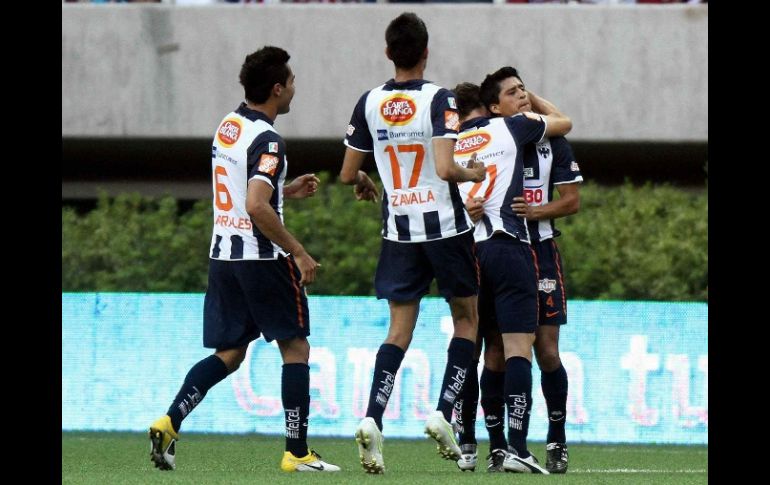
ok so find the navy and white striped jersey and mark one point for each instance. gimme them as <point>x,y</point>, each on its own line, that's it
<point>397,121</point>
<point>499,143</point>
<point>547,163</point>
<point>245,147</point>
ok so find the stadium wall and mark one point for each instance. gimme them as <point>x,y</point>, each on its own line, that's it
<point>638,370</point>
<point>622,72</point>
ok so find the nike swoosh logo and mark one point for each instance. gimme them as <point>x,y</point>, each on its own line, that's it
<point>319,467</point>
<point>551,314</point>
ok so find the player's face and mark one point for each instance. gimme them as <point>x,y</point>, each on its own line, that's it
<point>513,98</point>
<point>287,93</point>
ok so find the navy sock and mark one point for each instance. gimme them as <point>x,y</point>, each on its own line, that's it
<point>386,366</point>
<point>555,385</point>
<point>518,396</point>
<point>466,404</point>
<point>493,404</point>
<point>201,377</point>
<point>459,357</point>
<point>295,394</point>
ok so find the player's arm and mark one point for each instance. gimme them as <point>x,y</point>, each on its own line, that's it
<point>567,204</point>
<point>448,170</point>
<point>351,174</point>
<point>269,224</point>
<point>557,123</point>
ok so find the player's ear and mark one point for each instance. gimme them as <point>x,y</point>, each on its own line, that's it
<point>278,89</point>
<point>387,53</point>
<point>494,108</point>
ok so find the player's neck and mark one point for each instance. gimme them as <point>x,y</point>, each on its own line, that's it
<point>408,74</point>
<point>268,109</point>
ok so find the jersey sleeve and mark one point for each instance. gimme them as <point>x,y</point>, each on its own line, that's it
<point>444,115</point>
<point>358,137</point>
<point>525,130</point>
<point>565,169</point>
<point>266,157</point>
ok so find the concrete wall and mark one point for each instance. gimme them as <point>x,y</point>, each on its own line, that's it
<point>621,72</point>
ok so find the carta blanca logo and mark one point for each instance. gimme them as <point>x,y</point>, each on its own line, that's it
<point>382,134</point>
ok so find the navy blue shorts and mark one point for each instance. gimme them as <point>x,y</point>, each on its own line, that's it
<point>550,285</point>
<point>405,270</point>
<point>508,295</point>
<point>246,298</point>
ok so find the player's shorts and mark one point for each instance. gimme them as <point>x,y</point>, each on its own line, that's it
<point>247,298</point>
<point>405,270</point>
<point>508,294</point>
<point>550,285</point>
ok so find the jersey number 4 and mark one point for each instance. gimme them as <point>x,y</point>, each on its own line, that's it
<point>395,166</point>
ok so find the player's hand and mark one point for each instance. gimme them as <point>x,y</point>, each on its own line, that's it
<point>521,208</point>
<point>365,189</point>
<point>307,267</point>
<point>302,186</point>
<point>478,169</point>
<point>475,208</point>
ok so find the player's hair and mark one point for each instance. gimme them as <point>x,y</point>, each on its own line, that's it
<point>262,70</point>
<point>407,39</point>
<point>467,96</point>
<point>490,87</point>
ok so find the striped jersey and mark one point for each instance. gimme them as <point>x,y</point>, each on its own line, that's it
<point>245,147</point>
<point>547,163</point>
<point>397,121</point>
<point>499,143</point>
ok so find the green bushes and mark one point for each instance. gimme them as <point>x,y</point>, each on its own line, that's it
<point>635,243</point>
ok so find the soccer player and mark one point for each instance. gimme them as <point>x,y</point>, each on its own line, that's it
<point>508,295</point>
<point>257,269</point>
<point>547,164</point>
<point>411,125</point>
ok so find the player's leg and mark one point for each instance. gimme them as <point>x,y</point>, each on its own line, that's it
<point>466,405</point>
<point>553,380</point>
<point>493,399</point>
<point>454,263</point>
<point>227,327</point>
<point>402,278</point>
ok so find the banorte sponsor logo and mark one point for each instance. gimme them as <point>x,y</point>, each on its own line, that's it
<point>471,143</point>
<point>229,132</point>
<point>398,109</point>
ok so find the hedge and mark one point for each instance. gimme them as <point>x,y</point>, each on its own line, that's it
<point>626,243</point>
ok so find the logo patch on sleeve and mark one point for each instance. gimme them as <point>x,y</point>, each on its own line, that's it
<point>452,103</point>
<point>351,129</point>
<point>272,147</point>
<point>451,120</point>
<point>268,164</point>
<point>574,167</point>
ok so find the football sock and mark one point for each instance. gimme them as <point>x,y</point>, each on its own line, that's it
<point>386,366</point>
<point>493,404</point>
<point>201,377</point>
<point>466,404</point>
<point>295,394</point>
<point>459,357</point>
<point>555,385</point>
<point>518,396</point>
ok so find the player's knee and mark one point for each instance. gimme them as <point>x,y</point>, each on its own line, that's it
<point>548,360</point>
<point>494,358</point>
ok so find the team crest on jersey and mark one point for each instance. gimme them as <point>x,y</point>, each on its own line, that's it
<point>472,142</point>
<point>268,164</point>
<point>272,147</point>
<point>546,286</point>
<point>543,150</point>
<point>228,132</point>
<point>451,120</point>
<point>398,109</point>
<point>351,130</point>
<point>452,103</point>
<point>574,167</point>
<point>382,135</point>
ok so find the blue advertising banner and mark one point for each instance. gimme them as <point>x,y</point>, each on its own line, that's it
<point>638,371</point>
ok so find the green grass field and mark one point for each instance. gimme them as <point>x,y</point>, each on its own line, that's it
<point>123,458</point>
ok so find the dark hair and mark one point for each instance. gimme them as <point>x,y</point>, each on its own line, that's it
<point>490,88</point>
<point>407,39</point>
<point>261,70</point>
<point>467,95</point>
